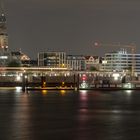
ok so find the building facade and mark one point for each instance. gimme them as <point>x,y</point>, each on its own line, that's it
<point>20,57</point>
<point>52,59</point>
<point>76,62</point>
<point>3,31</point>
<point>121,61</point>
<point>93,63</point>
<point>5,55</point>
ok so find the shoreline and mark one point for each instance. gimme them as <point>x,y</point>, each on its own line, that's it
<point>68,88</point>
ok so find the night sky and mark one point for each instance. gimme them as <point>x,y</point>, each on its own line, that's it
<point>72,25</point>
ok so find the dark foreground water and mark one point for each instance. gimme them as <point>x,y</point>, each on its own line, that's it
<point>70,115</point>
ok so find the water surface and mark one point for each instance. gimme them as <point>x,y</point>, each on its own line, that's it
<point>69,115</point>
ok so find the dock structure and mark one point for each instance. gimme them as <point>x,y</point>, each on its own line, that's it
<point>63,78</point>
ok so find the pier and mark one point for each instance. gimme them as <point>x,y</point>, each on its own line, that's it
<point>40,78</point>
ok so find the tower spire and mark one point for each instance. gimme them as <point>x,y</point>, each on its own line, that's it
<point>2,12</point>
<point>3,28</point>
<point>1,7</point>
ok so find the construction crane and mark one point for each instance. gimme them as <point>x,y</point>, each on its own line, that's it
<point>132,48</point>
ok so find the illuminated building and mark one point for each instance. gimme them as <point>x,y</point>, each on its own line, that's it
<point>22,58</point>
<point>20,55</point>
<point>4,53</point>
<point>121,61</point>
<point>76,62</point>
<point>52,59</point>
<point>4,58</point>
<point>3,30</point>
<point>92,63</point>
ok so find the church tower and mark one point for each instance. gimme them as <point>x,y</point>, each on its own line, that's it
<point>3,29</point>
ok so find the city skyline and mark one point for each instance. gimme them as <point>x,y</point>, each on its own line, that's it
<point>71,26</point>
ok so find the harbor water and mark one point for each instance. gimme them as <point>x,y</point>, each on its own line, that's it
<point>69,115</point>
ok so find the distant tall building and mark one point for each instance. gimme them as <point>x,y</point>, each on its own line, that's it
<point>5,55</point>
<point>3,29</point>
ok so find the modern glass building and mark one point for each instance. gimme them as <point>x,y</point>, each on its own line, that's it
<point>52,59</point>
<point>76,62</point>
<point>121,61</point>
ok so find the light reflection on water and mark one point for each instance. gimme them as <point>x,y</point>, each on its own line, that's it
<point>129,92</point>
<point>18,89</point>
<point>44,92</point>
<point>62,92</point>
<point>21,118</point>
<point>83,104</point>
<point>71,115</point>
<point>83,95</point>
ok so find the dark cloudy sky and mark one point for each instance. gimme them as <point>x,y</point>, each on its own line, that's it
<point>72,25</point>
